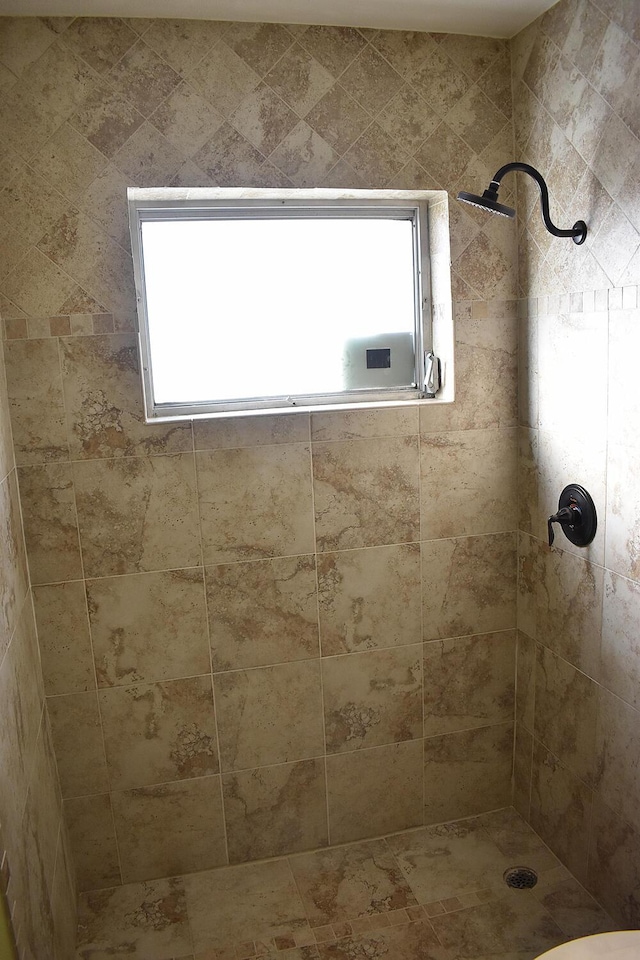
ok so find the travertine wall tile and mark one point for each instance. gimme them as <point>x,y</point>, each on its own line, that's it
<point>99,104</point>
<point>78,739</point>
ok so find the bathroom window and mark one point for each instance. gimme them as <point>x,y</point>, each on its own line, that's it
<point>279,301</point>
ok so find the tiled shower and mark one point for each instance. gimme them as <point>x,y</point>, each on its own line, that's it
<point>265,635</point>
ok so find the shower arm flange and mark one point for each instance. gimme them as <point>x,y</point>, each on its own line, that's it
<point>578,231</point>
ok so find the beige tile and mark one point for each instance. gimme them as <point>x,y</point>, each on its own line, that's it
<point>468,585</point>
<point>269,715</point>
<point>344,883</point>
<point>486,353</point>
<point>186,119</point>
<point>159,732</point>
<point>251,431</point>
<point>43,807</point>
<point>15,576</point>
<point>100,41</point>
<point>375,791</point>
<point>262,612</point>
<point>183,43</point>
<point>263,118</point>
<point>299,79</point>
<point>234,488</point>
<point>618,772</point>
<point>377,156</point>
<point>622,553</point>
<point>137,514</point>
<point>338,119</point>
<point>372,698</point>
<point>257,901</point>
<point>276,810</point>
<point>613,865</point>
<point>619,652</point>
<point>467,480</point>
<point>63,636</point>
<point>22,41</point>
<point>304,156</point>
<point>468,682</point>
<point>149,919</point>
<point>525,680</point>
<point>223,78</point>
<point>365,424</point>
<point>369,598</point>
<point>50,523</point>
<point>467,772</point>
<point>106,118</point>
<point>575,912</point>
<point>93,842</point>
<point>148,158</point>
<point>37,407</point>
<point>371,81</point>
<point>258,44</point>
<point>135,621</point>
<point>334,47</point>
<point>522,761</point>
<point>494,928</point>
<point>63,900</point>
<point>143,78</point>
<point>69,161</point>
<point>77,736</point>
<point>170,829</point>
<point>450,860</point>
<point>409,940</point>
<point>565,713</point>
<point>349,479</point>
<point>560,810</point>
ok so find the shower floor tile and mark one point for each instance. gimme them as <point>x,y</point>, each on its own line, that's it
<point>433,893</point>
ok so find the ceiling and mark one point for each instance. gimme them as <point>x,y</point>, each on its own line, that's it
<point>493,18</point>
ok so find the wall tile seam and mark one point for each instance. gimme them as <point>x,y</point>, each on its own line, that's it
<point>322,757</point>
<point>568,553</point>
<point>590,787</point>
<point>276,663</point>
<point>602,300</point>
<point>18,617</point>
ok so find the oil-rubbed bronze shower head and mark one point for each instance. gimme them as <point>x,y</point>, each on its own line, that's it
<point>489,202</point>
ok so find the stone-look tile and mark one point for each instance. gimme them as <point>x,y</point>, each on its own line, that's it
<point>468,586</point>
<point>338,119</point>
<point>159,732</point>
<point>530,572</point>
<point>35,393</point>
<point>576,913</point>
<point>565,713</point>
<point>366,492</point>
<point>486,353</point>
<point>143,78</point>
<point>450,860</point>
<point>369,598</point>
<point>258,44</point>
<point>411,940</point>
<point>69,162</point>
<point>365,424</point>
<point>333,47</point>
<point>620,652</point>
<point>508,927</point>
<point>372,698</point>
<point>77,736</point>
<point>371,81</point>
<point>525,680</point>
<point>13,562</point>
<point>262,612</point>
<point>183,43</point>
<point>359,880</point>
<point>304,156</point>
<point>622,387</point>
<point>44,802</point>
<point>147,919</point>
<point>6,440</point>
<point>374,791</point>
<point>107,119</point>
<point>522,763</point>
<point>137,514</point>
<point>560,810</point>
<point>299,80</point>
<point>250,431</point>
<point>468,682</point>
<point>148,627</point>
<point>223,79</point>
<point>103,399</point>
<point>93,842</point>
<point>63,899</point>
<point>276,810</point>
<point>50,523</point>
<point>22,42</point>
<point>63,636</point>
<point>263,119</point>
<point>618,771</point>
<point>100,41</point>
<point>515,838</point>
<point>622,550</point>
<point>256,901</point>
<point>468,480</point>
<point>614,854</point>
<point>170,829</point>
<point>467,772</point>
<point>234,488</point>
<point>376,156</point>
<point>269,715</point>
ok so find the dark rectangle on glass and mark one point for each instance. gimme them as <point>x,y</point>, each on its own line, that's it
<point>379,359</point>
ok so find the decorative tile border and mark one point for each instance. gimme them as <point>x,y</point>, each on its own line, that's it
<point>72,325</point>
<point>589,301</point>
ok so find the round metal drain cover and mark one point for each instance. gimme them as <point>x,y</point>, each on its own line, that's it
<point>521,878</point>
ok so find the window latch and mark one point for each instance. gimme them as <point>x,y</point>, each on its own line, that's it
<point>432,375</point>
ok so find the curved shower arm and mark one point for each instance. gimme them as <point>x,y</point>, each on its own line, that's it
<point>544,197</point>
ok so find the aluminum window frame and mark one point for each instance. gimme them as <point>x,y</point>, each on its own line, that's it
<point>162,206</point>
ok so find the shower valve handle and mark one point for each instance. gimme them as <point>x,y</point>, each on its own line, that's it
<point>570,516</point>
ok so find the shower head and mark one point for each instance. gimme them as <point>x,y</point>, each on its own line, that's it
<point>489,202</point>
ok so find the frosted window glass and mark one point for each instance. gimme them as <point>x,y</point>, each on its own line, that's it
<point>244,308</point>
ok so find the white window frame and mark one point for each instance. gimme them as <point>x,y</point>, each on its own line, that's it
<point>177,203</point>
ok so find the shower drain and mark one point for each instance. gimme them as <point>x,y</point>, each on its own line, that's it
<point>521,878</point>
